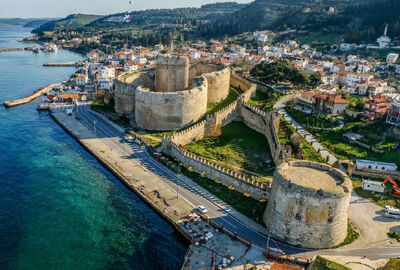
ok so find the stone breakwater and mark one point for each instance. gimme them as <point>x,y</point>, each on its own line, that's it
<point>35,95</point>
<point>16,49</point>
<point>66,64</point>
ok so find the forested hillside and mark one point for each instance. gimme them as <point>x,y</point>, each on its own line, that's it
<point>278,15</point>
<point>71,22</point>
<point>146,19</point>
<point>23,22</point>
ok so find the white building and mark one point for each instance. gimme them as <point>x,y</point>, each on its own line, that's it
<point>384,41</point>
<point>375,165</point>
<point>104,84</point>
<point>393,116</point>
<point>195,54</point>
<point>93,56</point>
<point>260,36</point>
<point>107,73</point>
<point>81,79</point>
<point>141,60</point>
<point>391,58</point>
<point>347,46</point>
<point>130,66</point>
<point>373,186</point>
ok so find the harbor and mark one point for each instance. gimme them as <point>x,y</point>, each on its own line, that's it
<point>35,95</point>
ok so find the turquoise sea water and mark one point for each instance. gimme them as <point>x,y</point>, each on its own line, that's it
<point>59,208</point>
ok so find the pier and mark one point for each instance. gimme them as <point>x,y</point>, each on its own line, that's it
<point>16,49</point>
<point>35,95</point>
<point>67,64</point>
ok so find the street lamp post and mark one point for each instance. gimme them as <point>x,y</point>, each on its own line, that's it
<point>94,127</point>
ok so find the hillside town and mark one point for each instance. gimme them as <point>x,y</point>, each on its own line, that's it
<point>331,116</point>
<point>260,152</point>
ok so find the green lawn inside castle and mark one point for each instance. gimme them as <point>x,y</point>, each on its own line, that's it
<point>239,148</point>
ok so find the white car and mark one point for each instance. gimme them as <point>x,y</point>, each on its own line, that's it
<point>129,139</point>
<point>201,209</point>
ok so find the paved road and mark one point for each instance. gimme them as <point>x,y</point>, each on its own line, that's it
<point>186,188</point>
<point>280,108</point>
<point>194,194</point>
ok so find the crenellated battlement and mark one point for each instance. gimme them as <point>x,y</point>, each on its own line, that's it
<point>184,154</point>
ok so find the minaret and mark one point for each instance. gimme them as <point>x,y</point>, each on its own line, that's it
<point>172,46</point>
<point>385,33</point>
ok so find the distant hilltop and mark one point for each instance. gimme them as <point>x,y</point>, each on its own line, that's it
<point>32,22</point>
<point>70,22</point>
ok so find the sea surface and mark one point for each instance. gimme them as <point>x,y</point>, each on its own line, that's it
<point>59,208</point>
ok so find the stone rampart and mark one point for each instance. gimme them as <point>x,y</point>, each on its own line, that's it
<point>267,123</point>
<point>248,87</point>
<point>169,111</point>
<point>189,135</point>
<point>228,178</point>
<point>125,88</point>
<point>218,78</point>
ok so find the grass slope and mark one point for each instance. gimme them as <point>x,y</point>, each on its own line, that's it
<point>238,146</point>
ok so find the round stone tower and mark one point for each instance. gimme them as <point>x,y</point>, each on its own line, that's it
<point>172,73</point>
<point>308,204</point>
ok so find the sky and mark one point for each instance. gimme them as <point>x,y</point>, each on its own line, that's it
<point>62,8</point>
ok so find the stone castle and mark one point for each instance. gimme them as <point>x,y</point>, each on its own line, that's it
<point>308,204</point>
<point>173,96</point>
<point>307,201</point>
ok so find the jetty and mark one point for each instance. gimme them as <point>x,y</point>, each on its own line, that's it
<point>35,95</point>
<point>16,49</point>
<point>66,64</point>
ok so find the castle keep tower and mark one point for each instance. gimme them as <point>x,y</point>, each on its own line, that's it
<point>172,73</point>
<point>308,204</point>
<point>173,96</point>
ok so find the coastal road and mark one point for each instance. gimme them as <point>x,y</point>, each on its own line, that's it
<point>194,194</point>
<point>186,188</point>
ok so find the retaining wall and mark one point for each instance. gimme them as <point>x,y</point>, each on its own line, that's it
<point>240,182</point>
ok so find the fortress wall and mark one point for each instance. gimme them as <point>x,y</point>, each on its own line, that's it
<point>172,74</point>
<point>248,87</point>
<point>125,90</point>
<point>228,178</point>
<point>169,111</point>
<point>218,78</point>
<point>189,135</point>
<point>266,123</point>
<point>218,85</point>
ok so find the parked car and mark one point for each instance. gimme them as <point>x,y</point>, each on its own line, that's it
<point>201,209</point>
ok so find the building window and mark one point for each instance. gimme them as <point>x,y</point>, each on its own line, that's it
<point>298,216</point>
<point>330,219</point>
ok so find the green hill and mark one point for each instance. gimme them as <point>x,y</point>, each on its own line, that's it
<point>73,21</point>
<point>23,22</point>
<point>278,15</point>
<point>157,17</point>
